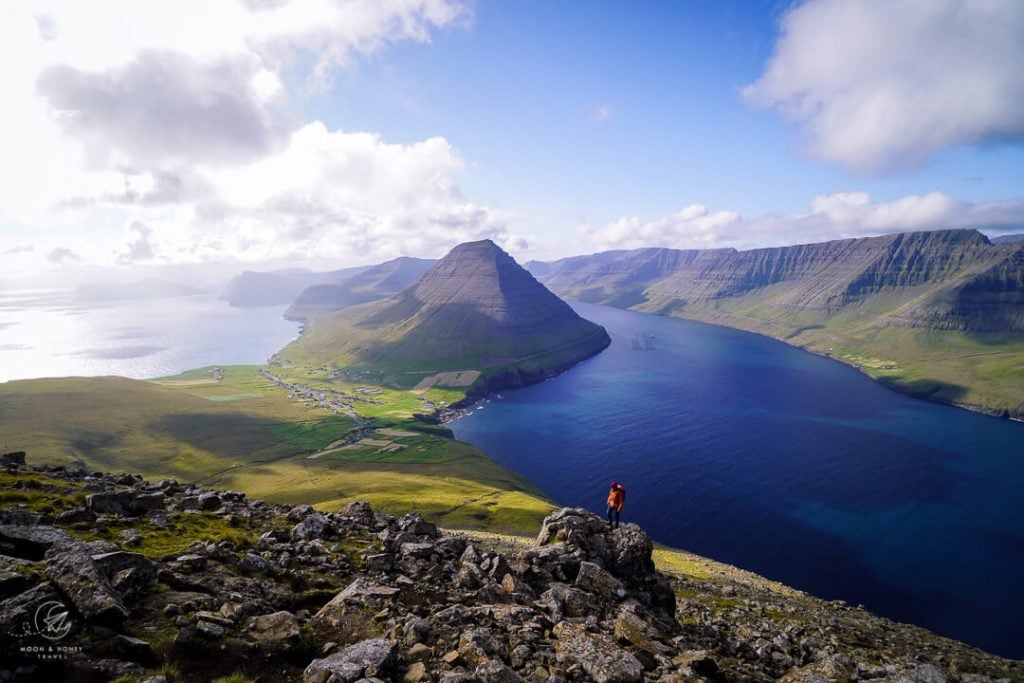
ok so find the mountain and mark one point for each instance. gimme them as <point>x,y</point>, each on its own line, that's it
<point>254,288</point>
<point>475,309</point>
<point>377,282</point>
<point>149,288</point>
<point>939,314</point>
<point>1006,239</point>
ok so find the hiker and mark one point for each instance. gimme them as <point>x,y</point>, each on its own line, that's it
<point>616,499</point>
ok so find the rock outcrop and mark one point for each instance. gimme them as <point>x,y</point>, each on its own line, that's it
<point>282,593</point>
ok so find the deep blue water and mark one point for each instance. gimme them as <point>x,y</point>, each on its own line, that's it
<point>755,453</point>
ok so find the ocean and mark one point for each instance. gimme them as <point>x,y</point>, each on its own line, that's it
<point>758,454</point>
<point>46,333</point>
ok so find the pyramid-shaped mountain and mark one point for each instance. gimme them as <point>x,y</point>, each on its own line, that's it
<point>475,309</point>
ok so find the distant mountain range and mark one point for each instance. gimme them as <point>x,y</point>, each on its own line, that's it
<point>374,283</point>
<point>254,288</point>
<point>939,314</point>
<point>1006,239</point>
<point>475,309</point>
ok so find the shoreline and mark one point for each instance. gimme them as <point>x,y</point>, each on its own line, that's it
<point>970,407</point>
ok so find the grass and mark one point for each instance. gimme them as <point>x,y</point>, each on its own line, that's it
<point>169,428</point>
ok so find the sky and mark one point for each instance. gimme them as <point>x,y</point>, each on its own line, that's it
<point>259,134</point>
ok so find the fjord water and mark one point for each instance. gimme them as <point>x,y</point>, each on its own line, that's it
<point>758,454</point>
<point>46,333</point>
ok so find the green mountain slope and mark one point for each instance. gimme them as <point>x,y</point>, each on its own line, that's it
<point>476,309</point>
<point>377,282</point>
<point>938,314</point>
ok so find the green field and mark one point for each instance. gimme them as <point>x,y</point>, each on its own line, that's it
<point>243,432</point>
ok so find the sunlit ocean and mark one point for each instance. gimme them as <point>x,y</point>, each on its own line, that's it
<point>46,333</point>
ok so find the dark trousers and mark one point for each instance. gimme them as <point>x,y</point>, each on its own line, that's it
<point>613,511</point>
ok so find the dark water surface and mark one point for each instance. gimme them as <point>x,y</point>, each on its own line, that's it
<point>755,453</point>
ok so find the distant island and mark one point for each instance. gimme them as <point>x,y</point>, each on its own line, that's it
<point>939,315</point>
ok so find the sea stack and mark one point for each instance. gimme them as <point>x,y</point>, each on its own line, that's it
<point>475,309</point>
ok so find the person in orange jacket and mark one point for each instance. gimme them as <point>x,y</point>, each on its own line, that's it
<point>616,499</point>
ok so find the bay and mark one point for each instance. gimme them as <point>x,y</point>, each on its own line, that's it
<point>758,454</point>
<point>47,333</point>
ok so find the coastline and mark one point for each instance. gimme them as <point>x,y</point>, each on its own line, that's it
<point>970,407</point>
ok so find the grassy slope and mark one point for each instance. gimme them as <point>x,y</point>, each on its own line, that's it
<point>244,433</point>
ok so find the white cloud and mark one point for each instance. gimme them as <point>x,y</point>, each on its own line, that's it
<point>883,84</point>
<point>175,120</point>
<point>833,216</point>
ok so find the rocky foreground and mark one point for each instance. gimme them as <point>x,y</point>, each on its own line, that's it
<point>111,577</point>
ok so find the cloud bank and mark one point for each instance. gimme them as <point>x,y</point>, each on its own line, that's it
<point>139,134</point>
<point>833,216</point>
<point>878,85</point>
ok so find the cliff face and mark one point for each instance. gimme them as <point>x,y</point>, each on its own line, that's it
<point>952,279</point>
<point>129,579</point>
<point>474,309</point>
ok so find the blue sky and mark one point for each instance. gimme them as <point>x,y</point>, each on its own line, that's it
<point>517,94</point>
<point>326,131</point>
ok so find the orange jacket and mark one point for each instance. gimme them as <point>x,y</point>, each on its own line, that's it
<point>616,497</point>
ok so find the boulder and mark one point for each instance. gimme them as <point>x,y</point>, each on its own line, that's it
<point>374,657</point>
<point>209,501</point>
<point>597,654</point>
<point>311,527</point>
<point>124,502</point>
<point>592,579</point>
<point>130,574</point>
<point>496,672</point>
<point>563,601</point>
<point>277,630</point>
<point>32,542</point>
<point>360,594</point>
<point>359,512</point>
<point>78,577</point>
<point>414,524</point>
<point>13,459</point>
<point>478,645</point>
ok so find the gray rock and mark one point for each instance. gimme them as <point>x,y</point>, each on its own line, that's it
<point>417,550</point>
<point>313,526</point>
<point>359,512</point>
<point>277,630</point>
<point>375,657</point>
<point>496,672</point>
<point>14,458</point>
<point>77,577</point>
<point>32,542</point>
<point>209,501</point>
<point>124,502</point>
<point>594,579</point>
<point>597,654</point>
<point>251,562</point>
